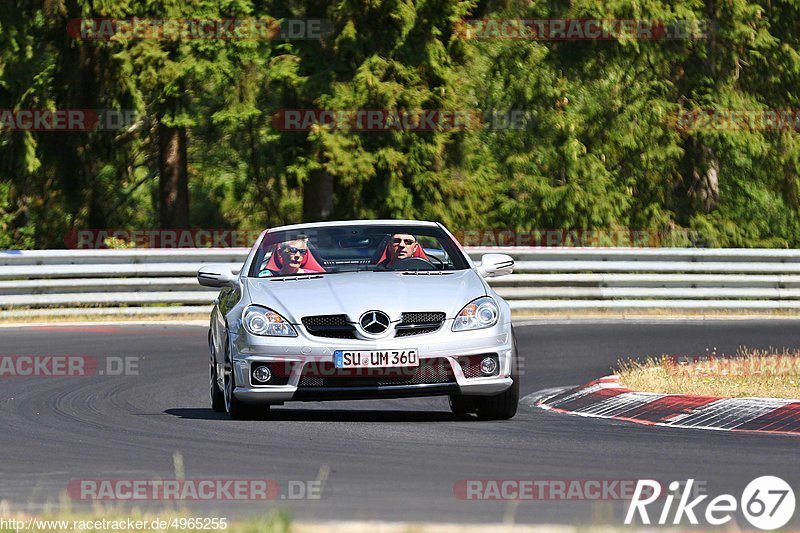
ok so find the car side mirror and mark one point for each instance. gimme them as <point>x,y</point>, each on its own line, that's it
<point>217,275</point>
<point>494,265</point>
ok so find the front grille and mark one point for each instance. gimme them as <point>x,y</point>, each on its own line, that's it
<point>418,323</point>
<point>325,320</point>
<point>423,318</point>
<point>324,374</point>
<point>331,326</point>
<point>415,331</point>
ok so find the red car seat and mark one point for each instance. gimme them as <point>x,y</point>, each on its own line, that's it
<point>309,263</point>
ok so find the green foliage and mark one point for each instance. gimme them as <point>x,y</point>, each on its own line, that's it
<point>600,151</point>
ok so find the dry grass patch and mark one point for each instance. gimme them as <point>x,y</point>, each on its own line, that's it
<point>749,373</point>
<point>654,313</point>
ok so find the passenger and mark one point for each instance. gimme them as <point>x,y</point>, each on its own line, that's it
<point>291,257</point>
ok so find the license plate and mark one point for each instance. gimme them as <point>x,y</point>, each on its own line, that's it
<point>374,358</point>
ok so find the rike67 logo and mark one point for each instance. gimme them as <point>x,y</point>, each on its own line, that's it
<point>767,502</point>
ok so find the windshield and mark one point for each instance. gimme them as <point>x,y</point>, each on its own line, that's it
<point>335,249</point>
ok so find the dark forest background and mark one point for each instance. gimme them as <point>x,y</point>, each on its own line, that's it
<point>601,150</point>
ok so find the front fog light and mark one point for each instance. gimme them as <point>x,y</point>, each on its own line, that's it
<point>262,374</point>
<point>488,366</point>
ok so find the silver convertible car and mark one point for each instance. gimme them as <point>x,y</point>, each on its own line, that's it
<point>361,310</point>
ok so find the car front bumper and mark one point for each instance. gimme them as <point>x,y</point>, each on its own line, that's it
<point>294,354</point>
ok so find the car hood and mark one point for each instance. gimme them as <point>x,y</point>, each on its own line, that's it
<point>354,293</point>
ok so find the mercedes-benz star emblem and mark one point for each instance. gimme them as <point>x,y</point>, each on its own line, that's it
<point>374,322</point>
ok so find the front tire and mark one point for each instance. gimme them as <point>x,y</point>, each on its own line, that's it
<point>237,409</point>
<point>462,405</point>
<point>217,396</point>
<point>502,406</point>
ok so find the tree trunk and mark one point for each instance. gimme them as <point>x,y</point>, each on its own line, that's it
<point>174,179</point>
<point>318,197</point>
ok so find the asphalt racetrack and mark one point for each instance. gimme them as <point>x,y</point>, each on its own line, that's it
<point>384,460</point>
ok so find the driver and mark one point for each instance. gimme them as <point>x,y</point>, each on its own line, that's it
<point>401,246</point>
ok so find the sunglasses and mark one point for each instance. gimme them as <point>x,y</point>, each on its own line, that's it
<point>408,242</point>
<point>292,250</point>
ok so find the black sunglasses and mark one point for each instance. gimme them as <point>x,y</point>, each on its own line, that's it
<point>292,250</point>
<point>408,242</point>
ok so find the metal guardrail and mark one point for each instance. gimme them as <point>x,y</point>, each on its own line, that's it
<point>147,281</point>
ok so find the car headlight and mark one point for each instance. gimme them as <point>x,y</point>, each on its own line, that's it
<point>266,322</point>
<point>478,314</point>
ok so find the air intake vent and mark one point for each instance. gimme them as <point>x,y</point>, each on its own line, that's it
<point>331,326</point>
<point>324,374</point>
<point>419,323</point>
